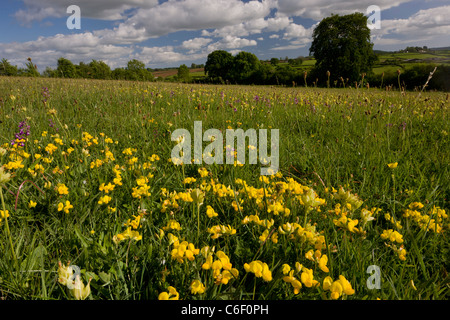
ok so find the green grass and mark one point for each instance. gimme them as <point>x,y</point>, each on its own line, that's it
<point>328,139</point>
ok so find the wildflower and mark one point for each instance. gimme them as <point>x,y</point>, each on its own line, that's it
<point>260,269</point>
<point>220,230</point>
<point>3,215</point>
<point>392,235</point>
<point>104,200</point>
<point>197,287</point>
<point>127,234</point>
<point>286,268</point>
<point>32,204</point>
<point>172,294</point>
<point>65,207</point>
<point>203,172</point>
<point>172,225</point>
<point>327,282</point>
<point>109,187</point>
<point>64,273</point>
<point>184,250</point>
<point>62,189</point>
<point>210,212</point>
<point>307,278</point>
<point>79,291</point>
<point>323,263</point>
<point>4,176</point>
<point>296,284</point>
<point>393,165</point>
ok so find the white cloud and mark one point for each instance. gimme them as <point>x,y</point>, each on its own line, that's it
<point>36,10</point>
<point>195,44</point>
<point>173,16</point>
<point>428,27</point>
<point>319,9</point>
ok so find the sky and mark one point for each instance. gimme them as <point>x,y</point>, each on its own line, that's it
<point>168,33</point>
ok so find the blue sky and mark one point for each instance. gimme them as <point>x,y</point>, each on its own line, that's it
<point>174,32</point>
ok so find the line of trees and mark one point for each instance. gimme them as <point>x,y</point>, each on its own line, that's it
<point>245,68</point>
<point>135,70</point>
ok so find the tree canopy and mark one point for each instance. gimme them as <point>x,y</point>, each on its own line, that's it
<point>341,45</point>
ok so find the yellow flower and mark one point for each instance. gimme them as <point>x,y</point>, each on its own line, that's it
<point>62,189</point>
<point>210,212</point>
<point>336,290</point>
<point>65,207</point>
<point>197,287</point>
<point>286,268</point>
<point>32,204</point>
<point>127,234</point>
<point>172,294</point>
<point>327,282</point>
<point>104,200</point>
<point>296,284</point>
<point>307,278</point>
<point>323,263</point>
<point>3,215</point>
<point>393,165</point>
<point>109,187</point>
<point>260,269</point>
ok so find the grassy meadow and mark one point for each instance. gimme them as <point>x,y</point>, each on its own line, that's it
<point>87,182</point>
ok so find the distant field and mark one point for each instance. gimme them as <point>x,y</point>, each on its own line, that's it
<point>172,72</point>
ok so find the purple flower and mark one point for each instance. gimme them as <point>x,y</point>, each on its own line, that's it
<point>22,134</point>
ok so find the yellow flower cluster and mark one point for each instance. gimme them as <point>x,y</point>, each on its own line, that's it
<point>223,270</point>
<point>170,294</point>
<point>66,207</point>
<point>433,221</point>
<point>338,287</point>
<point>197,287</point>
<point>142,188</point>
<point>260,269</point>
<point>172,225</point>
<point>289,276</point>
<point>348,199</point>
<point>395,237</point>
<point>127,234</point>
<point>183,250</point>
<point>220,230</point>
<point>319,258</point>
<point>392,235</point>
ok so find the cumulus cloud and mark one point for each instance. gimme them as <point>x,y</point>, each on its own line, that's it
<point>173,16</point>
<point>428,26</point>
<point>45,51</point>
<point>319,9</point>
<point>36,10</point>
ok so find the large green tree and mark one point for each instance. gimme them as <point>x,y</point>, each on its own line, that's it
<point>183,73</point>
<point>341,45</point>
<point>65,68</point>
<point>218,65</point>
<point>245,66</point>
<point>136,71</point>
